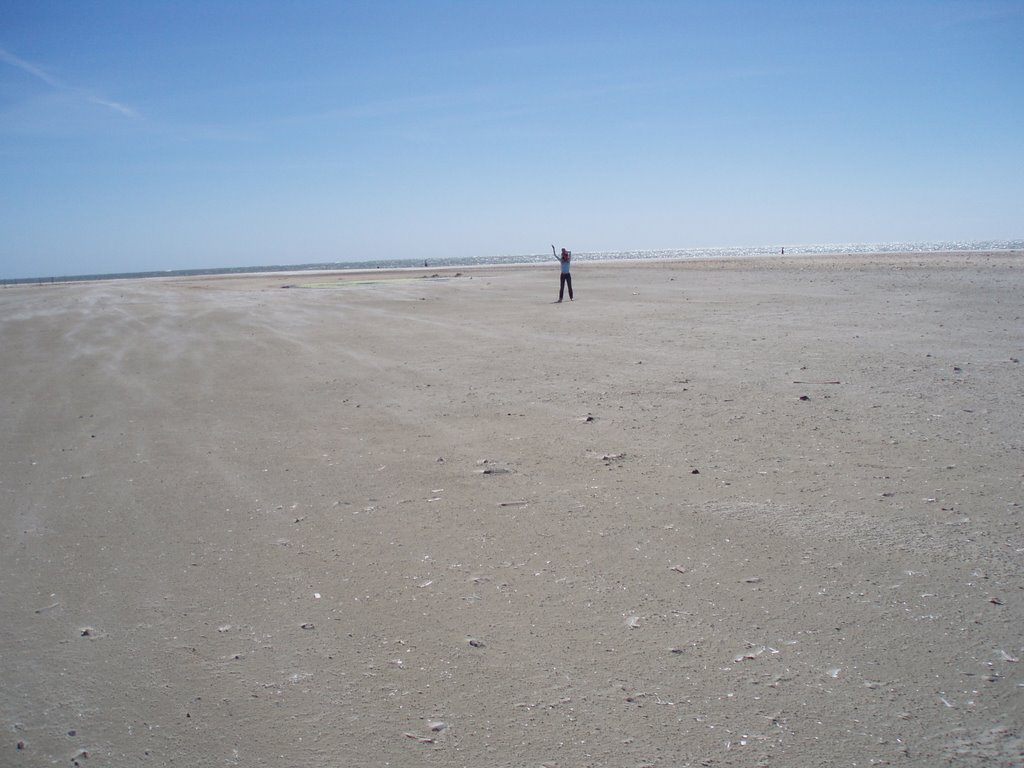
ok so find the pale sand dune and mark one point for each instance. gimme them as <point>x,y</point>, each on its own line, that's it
<point>448,522</point>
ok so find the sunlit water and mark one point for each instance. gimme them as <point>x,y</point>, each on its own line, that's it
<point>682,253</point>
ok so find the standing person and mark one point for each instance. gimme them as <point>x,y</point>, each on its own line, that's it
<point>565,278</point>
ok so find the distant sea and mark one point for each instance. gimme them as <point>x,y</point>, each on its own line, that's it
<point>680,254</point>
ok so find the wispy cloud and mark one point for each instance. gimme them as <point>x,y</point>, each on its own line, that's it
<point>114,105</point>
<point>40,74</point>
<point>25,66</point>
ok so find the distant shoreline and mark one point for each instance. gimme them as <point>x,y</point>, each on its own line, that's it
<point>696,255</point>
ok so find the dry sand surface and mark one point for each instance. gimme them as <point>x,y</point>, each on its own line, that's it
<point>744,513</point>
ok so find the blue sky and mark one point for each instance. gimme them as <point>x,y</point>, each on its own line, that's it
<point>150,135</point>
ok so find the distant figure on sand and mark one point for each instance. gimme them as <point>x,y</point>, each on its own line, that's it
<point>565,278</point>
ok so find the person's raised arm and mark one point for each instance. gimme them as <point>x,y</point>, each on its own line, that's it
<point>554,253</point>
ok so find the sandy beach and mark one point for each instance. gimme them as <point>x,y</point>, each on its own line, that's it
<point>735,513</point>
